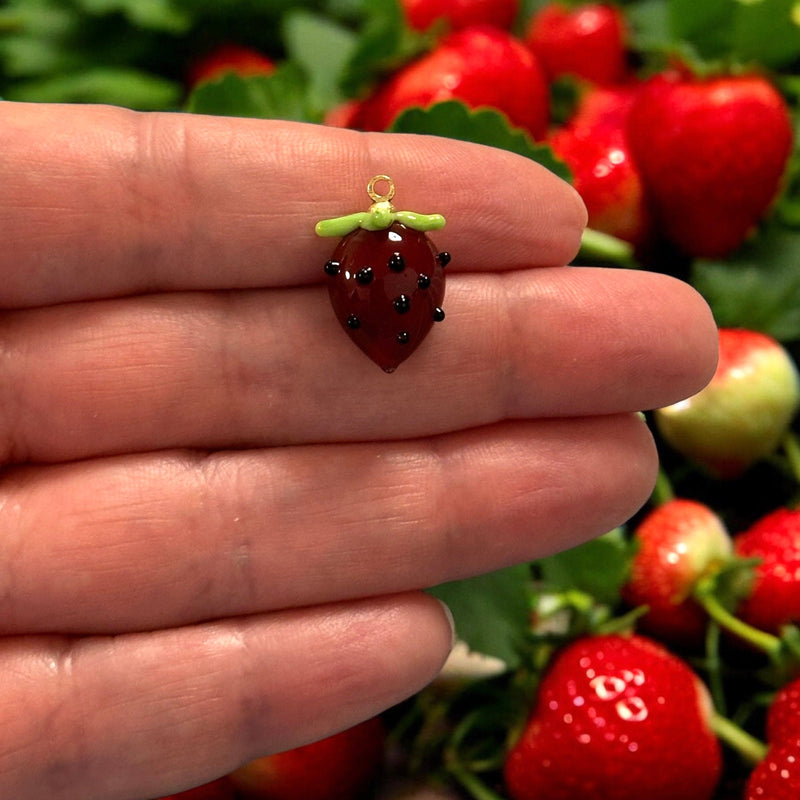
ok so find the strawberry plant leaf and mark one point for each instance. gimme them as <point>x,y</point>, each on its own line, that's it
<point>758,287</point>
<point>322,48</point>
<point>282,95</point>
<point>455,120</point>
<point>598,567</point>
<point>384,43</point>
<point>161,15</point>
<point>492,612</point>
<point>121,86</point>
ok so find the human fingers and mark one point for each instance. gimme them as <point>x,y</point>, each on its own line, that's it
<point>143,715</point>
<point>175,538</point>
<point>250,369</point>
<point>99,201</point>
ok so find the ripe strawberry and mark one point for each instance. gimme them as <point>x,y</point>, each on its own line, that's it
<point>221,789</point>
<point>774,599</point>
<point>712,153</point>
<point>617,718</point>
<point>586,42</point>
<point>595,147</point>
<point>783,717</point>
<point>777,777</point>
<point>458,14</point>
<point>230,58</point>
<point>386,279</point>
<point>481,66</point>
<point>340,767</point>
<point>745,410</point>
<point>679,542</point>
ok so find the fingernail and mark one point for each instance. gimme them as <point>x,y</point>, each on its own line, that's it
<point>451,621</point>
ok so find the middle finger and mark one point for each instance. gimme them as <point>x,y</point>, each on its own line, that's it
<point>273,367</point>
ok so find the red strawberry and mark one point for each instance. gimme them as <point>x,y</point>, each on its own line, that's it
<point>230,58</point>
<point>712,153</point>
<point>617,718</point>
<point>340,767</point>
<point>679,542</point>
<point>585,42</point>
<point>221,789</point>
<point>386,279</point>
<point>481,66</point>
<point>774,599</point>
<point>743,413</point>
<point>595,147</point>
<point>421,14</point>
<point>777,777</point>
<point>783,717</point>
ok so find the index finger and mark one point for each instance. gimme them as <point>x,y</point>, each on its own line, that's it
<point>101,202</point>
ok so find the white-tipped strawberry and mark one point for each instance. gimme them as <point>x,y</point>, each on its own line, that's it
<point>743,413</point>
<point>679,543</point>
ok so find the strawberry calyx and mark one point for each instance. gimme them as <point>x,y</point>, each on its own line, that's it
<point>380,215</point>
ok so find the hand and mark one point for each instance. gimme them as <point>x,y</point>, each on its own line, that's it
<point>216,513</point>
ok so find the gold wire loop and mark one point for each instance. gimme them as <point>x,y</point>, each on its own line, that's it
<point>381,198</point>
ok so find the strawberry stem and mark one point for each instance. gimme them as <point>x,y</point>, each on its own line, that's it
<point>473,785</point>
<point>663,492</point>
<point>791,447</point>
<point>598,246</point>
<point>761,640</point>
<point>750,749</point>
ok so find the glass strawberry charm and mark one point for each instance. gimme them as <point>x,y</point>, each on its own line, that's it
<point>385,277</point>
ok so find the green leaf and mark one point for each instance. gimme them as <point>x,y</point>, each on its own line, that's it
<point>492,612</point>
<point>598,568</point>
<point>282,95</point>
<point>455,120</point>
<point>763,31</point>
<point>649,24</point>
<point>758,287</point>
<point>130,88</point>
<point>322,48</point>
<point>160,15</point>
<point>384,43</point>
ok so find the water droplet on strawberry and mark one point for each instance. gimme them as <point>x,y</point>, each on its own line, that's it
<point>390,283</point>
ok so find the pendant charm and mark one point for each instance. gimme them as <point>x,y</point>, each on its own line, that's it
<point>385,277</point>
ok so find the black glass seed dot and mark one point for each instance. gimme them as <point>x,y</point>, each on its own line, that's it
<point>443,258</point>
<point>396,262</point>
<point>364,276</point>
<point>423,281</point>
<point>332,267</point>
<point>353,322</point>
<point>438,314</point>
<point>402,304</point>
<point>403,337</point>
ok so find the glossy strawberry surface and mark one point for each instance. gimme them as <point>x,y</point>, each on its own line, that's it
<point>777,777</point>
<point>481,66</point>
<point>587,41</point>
<point>774,599</point>
<point>712,153</point>
<point>618,718</point>
<point>677,543</point>
<point>457,14</point>
<point>387,288</point>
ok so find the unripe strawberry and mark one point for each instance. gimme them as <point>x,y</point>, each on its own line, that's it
<point>678,543</point>
<point>774,598</point>
<point>617,718</point>
<point>458,14</point>
<point>586,42</point>
<point>743,413</point>
<point>481,66</point>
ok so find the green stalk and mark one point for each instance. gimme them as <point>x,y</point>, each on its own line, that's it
<point>473,785</point>
<point>791,447</point>
<point>750,749</point>
<point>597,246</point>
<point>662,492</point>
<point>761,640</point>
